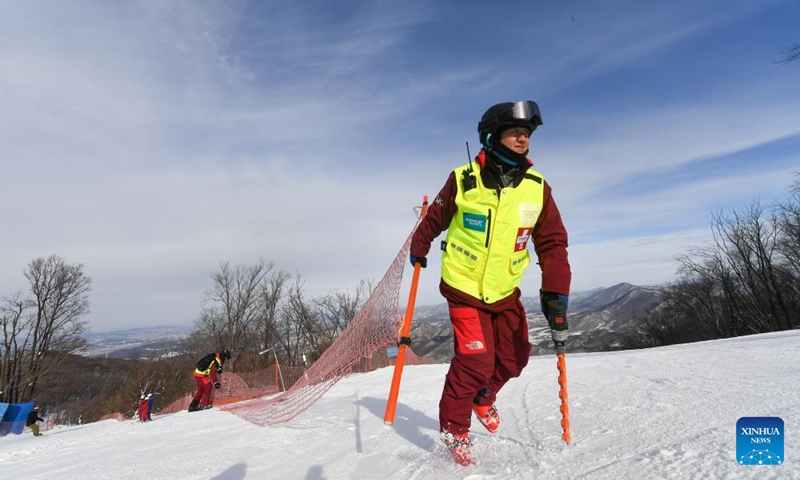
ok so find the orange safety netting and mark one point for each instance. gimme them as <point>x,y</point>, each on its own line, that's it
<point>374,328</point>
<point>113,416</point>
<point>49,422</point>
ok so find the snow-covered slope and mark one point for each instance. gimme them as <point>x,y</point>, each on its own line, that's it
<point>666,413</point>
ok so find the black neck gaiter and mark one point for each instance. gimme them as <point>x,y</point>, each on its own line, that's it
<point>507,155</point>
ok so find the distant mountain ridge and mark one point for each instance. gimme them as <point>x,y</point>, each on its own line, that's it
<point>596,318</point>
<point>144,342</point>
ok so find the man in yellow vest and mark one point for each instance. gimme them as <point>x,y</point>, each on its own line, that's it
<point>491,207</point>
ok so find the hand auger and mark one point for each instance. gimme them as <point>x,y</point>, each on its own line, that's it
<point>558,327</point>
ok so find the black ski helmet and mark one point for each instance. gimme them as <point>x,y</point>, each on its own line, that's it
<point>225,355</point>
<point>506,115</point>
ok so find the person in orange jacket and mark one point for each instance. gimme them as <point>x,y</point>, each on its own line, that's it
<point>206,378</point>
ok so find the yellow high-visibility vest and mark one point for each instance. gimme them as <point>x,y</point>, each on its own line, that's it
<point>207,371</point>
<point>485,250</point>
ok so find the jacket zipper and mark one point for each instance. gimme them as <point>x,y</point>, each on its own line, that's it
<point>489,220</point>
<point>488,227</point>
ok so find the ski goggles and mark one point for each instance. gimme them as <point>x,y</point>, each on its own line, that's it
<point>525,111</point>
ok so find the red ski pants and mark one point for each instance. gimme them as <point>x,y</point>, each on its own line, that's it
<point>491,347</point>
<point>204,390</point>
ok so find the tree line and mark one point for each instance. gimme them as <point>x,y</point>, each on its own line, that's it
<point>255,310</point>
<point>249,309</point>
<point>746,281</point>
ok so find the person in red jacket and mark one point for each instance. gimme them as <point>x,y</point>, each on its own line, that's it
<point>206,378</point>
<point>491,207</point>
<point>141,409</point>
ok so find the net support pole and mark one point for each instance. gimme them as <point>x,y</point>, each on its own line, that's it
<point>391,405</point>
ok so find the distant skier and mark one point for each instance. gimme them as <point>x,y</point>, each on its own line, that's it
<point>141,409</point>
<point>206,378</point>
<point>491,207</point>
<point>150,401</point>
<point>34,417</point>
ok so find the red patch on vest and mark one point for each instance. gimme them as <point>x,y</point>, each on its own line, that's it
<point>523,235</point>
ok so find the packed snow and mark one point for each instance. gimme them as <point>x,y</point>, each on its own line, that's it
<point>663,413</point>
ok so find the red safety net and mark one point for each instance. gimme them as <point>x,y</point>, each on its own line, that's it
<point>49,422</point>
<point>360,347</point>
<point>113,416</point>
<point>262,397</point>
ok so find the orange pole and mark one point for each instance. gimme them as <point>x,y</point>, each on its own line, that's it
<point>562,394</point>
<point>391,406</point>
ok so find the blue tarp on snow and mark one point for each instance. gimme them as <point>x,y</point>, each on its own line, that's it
<point>14,418</point>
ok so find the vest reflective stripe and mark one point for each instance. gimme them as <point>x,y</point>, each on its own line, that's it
<point>485,249</point>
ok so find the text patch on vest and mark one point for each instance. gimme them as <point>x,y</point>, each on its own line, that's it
<point>528,213</point>
<point>474,221</point>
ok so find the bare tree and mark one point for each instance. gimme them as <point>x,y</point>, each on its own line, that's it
<point>296,328</point>
<point>61,295</point>
<point>272,293</point>
<point>233,308</point>
<point>249,310</point>
<point>40,330</point>
<point>308,326</point>
<point>788,214</point>
<point>334,312</point>
<point>790,54</point>
<point>15,343</point>
<point>747,281</point>
<point>748,272</point>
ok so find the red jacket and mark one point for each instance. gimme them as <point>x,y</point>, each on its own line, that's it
<point>141,409</point>
<point>549,235</point>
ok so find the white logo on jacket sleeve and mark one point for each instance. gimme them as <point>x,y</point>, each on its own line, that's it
<point>475,345</point>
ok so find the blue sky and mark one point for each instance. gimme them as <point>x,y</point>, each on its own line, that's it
<point>151,140</point>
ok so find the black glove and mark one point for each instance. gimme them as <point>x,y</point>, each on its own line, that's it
<point>423,262</point>
<point>554,307</point>
<point>546,297</point>
<point>217,385</point>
